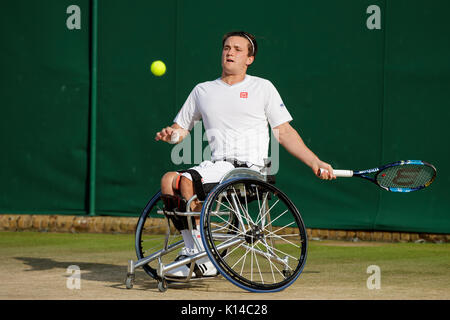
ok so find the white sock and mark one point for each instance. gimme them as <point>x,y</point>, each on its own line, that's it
<point>198,237</point>
<point>187,237</point>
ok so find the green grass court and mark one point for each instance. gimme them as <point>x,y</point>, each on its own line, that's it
<point>34,266</point>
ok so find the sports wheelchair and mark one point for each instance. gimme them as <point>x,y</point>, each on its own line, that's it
<point>250,230</point>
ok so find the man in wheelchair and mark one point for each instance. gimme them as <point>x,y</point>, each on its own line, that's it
<point>236,110</point>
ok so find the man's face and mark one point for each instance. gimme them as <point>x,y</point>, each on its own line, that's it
<point>235,59</point>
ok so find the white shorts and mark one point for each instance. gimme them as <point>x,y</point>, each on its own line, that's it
<point>212,172</point>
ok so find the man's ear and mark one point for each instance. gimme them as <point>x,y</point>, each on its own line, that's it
<point>250,60</point>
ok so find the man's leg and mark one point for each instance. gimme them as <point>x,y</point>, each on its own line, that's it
<point>172,183</point>
<point>170,193</point>
<point>168,183</point>
<point>203,266</point>
<point>187,192</point>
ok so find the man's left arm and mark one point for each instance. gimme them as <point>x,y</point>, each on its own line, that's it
<point>289,138</point>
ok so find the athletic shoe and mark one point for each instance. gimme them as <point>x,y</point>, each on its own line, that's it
<point>202,268</point>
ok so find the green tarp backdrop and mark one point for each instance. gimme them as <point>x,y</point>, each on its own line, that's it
<point>367,83</point>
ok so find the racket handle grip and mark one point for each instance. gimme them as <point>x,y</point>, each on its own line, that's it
<point>343,173</point>
<point>340,173</point>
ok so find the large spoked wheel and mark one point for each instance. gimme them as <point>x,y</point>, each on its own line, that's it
<point>266,249</point>
<point>152,230</point>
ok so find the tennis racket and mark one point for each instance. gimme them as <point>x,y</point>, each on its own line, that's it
<point>400,176</point>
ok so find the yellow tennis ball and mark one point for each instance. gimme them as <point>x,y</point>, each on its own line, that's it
<point>158,68</point>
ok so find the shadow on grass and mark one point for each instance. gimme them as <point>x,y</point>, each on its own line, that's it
<point>89,271</point>
<point>113,276</point>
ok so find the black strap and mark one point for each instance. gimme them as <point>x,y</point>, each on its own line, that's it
<point>173,201</point>
<point>198,184</point>
<point>236,163</point>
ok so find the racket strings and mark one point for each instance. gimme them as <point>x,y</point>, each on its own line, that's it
<point>405,176</point>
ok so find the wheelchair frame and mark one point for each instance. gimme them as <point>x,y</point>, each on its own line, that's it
<point>236,176</point>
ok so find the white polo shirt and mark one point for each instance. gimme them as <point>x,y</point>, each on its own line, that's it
<point>235,117</point>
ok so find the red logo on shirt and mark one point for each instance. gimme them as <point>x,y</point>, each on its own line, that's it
<point>244,95</point>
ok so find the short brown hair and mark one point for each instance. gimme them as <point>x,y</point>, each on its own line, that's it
<point>252,46</point>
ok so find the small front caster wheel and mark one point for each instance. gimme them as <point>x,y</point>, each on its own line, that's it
<point>129,282</point>
<point>163,286</point>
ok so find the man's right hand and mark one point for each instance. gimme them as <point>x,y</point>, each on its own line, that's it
<point>174,134</point>
<point>165,134</point>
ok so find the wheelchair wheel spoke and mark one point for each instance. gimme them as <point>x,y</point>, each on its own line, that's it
<point>242,257</point>
<point>251,266</point>
<point>278,230</point>
<point>257,197</point>
<point>223,230</point>
<point>257,263</point>
<point>216,214</point>
<point>245,196</point>
<point>229,253</point>
<point>267,212</point>
<point>273,235</point>
<point>246,214</point>
<point>243,264</point>
<point>280,251</point>
<point>270,258</point>
<point>231,209</point>
<point>280,216</point>
<point>260,217</point>
<point>271,267</point>
<point>227,223</point>
<point>220,227</point>
<point>238,214</point>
